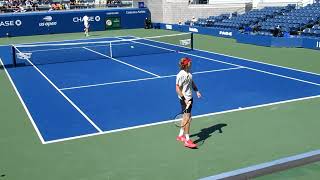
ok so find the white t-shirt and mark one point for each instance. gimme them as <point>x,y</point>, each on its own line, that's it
<point>184,80</point>
<point>86,21</point>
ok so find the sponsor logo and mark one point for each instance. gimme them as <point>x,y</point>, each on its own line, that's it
<point>136,12</point>
<point>193,29</point>
<point>318,44</point>
<point>10,23</point>
<point>225,33</point>
<point>18,23</point>
<point>97,18</point>
<point>168,26</point>
<point>112,13</point>
<point>109,22</point>
<point>47,22</point>
<point>90,19</point>
<point>47,18</point>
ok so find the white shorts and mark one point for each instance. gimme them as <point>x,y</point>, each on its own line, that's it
<point>86,25</point>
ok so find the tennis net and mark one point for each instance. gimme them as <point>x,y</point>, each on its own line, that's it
<point>51,53</point>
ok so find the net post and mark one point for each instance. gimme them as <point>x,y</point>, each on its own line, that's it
<point>14,58</point>
<point>191,41</point>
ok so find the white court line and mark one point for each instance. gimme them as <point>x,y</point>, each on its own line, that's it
<point>143,79</point>
<point>253,69</point>
<point>23,104</point>
<point>135,41</point>
<point>257,167</point>
<point>55,49</point>
<point>258,62</point>
<point>91,42</point>
<point>218,70</point>
<point>119,37</point>
<point>66,97</point>
<point>75,47</point>
<point>229,56</point>
<point>122,62</point>
<point>211,59</point>
<point>195,117</point>
<point>88,39</point>
<point>109,83</point>
<point>40,42</point>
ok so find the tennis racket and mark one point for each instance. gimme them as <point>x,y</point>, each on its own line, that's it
<point>179,116</point>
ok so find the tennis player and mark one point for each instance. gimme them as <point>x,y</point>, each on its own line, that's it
<point>184,87</point>
<point>86,25</point>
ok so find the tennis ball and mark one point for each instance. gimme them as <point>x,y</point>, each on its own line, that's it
<point>132,46</point>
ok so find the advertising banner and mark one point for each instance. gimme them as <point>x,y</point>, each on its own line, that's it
<point>113,23</point>
<point>21,24</point>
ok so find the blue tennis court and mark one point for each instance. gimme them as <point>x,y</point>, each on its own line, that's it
<point>96,87</point>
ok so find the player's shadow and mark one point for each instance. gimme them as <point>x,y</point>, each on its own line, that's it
<point>207,132</point>
<point>7,66</point>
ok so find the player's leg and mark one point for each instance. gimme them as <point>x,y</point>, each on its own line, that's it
<point>187,118</point>
<point>186,122</point>
<point>181,136</point>
<point>188,142</point>
<point>86,30</point>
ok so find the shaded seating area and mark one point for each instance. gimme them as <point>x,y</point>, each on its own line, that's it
<point>295,21</point>
<point>235,21</point>
<point>276,21</point>
<point>208,22</point>
<point>253,17</point>
<point>314,31</point>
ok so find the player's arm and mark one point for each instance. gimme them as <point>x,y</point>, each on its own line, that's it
<point>195,88</point>
<point>180,94</point>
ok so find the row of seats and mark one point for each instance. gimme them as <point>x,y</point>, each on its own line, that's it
<point>253,17</point>
<point>235,21</point>
<point>289,20</point>
<point>208,22</point>
<point>314,31</point>
<point>293,21</point>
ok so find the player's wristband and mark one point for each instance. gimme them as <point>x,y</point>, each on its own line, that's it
<point>183,98</point>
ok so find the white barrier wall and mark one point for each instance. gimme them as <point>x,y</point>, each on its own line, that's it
<point>285,1</point>
<point>171,11</point>
<point>228,1</point>
<point>264,3</point>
